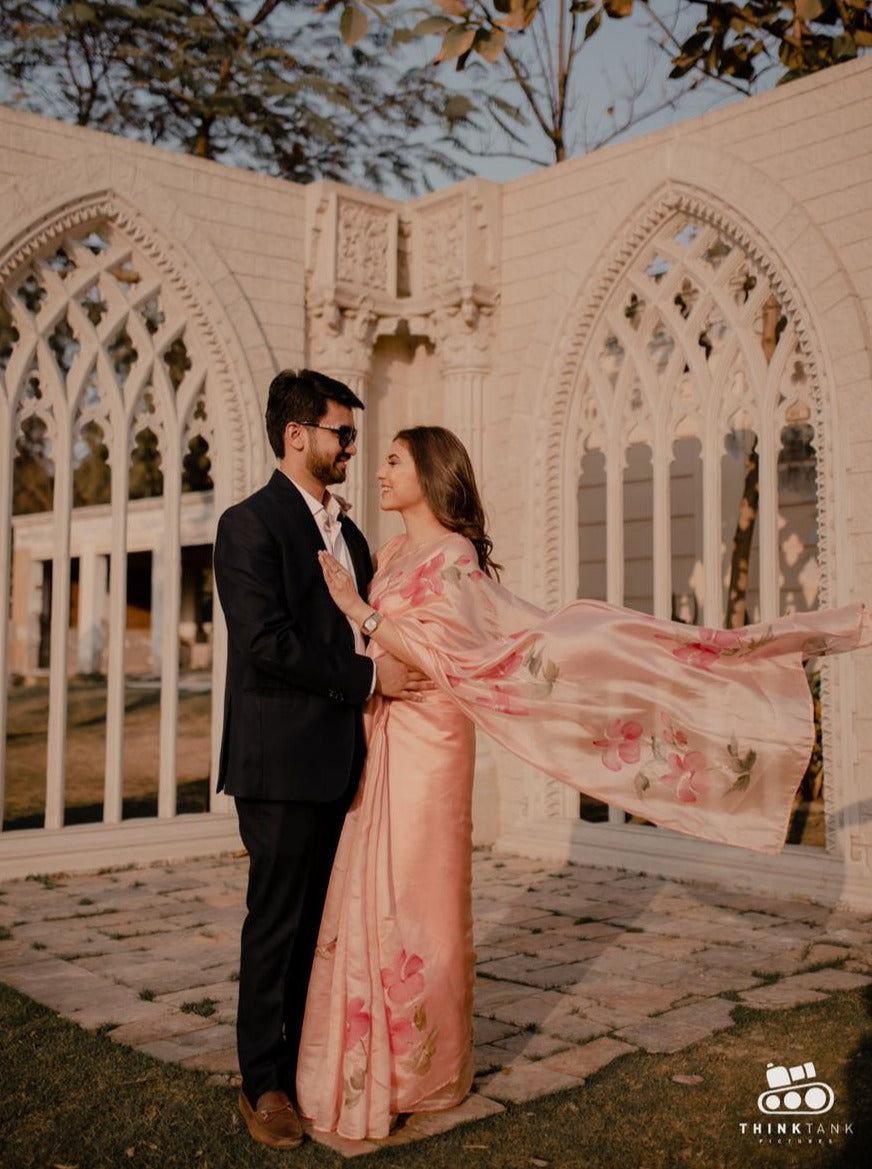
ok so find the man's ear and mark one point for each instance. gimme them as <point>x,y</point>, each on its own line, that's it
<point>293,436</point>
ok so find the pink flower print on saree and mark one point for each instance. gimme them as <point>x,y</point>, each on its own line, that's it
<point>684,773</point>
<point>403,980</point>
<point>502,702</point>
<point>503,669</point>
<point>673,735</point>
<point>713,644</point>
<point>357,1022</point>
<point>621,744</point>
<point>425,579</point>
<point>400,1033</point>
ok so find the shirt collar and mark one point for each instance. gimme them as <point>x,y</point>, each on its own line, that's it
<point>331,505</point>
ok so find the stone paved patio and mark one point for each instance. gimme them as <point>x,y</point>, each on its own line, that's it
<point>575,966</point>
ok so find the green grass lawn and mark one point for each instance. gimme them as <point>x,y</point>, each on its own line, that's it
<point>70,1098</point>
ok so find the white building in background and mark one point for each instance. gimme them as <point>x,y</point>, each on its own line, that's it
<point>610,337</point>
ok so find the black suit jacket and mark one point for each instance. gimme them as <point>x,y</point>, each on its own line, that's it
<point>295,686</point>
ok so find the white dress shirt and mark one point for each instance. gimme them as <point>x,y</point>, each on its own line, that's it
<point>326,514</point>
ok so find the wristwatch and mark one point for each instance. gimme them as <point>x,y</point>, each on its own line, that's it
<point>371,624</point>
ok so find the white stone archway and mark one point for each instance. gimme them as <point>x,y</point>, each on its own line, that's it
<point>584,402</point>
<point>126,318</point>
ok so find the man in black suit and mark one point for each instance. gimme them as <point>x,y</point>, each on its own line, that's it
<point>293,746</point>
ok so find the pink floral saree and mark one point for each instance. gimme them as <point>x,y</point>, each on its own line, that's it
<point>703,731</point>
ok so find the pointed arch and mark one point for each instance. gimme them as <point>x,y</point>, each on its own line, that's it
<point>570,408</point>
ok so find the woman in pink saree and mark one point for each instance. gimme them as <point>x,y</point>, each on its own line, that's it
<point>700,730</point>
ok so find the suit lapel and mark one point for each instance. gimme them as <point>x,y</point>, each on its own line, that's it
<point>288,496</point>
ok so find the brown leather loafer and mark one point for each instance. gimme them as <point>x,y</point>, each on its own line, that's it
<point>273,1121</point>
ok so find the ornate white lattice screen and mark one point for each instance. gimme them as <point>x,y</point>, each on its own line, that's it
<point>105,395</point>
<point>698,438</point>
<point>695,389</point>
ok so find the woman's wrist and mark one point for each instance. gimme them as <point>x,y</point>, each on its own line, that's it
<point>359,612</point>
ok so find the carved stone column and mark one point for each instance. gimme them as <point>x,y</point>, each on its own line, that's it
<point>340,344</point>
<point>463,333</point>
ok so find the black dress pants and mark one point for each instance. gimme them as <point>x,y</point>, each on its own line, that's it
<point>291,847</point>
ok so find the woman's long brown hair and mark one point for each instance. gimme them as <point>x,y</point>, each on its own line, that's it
<point>448,482</point>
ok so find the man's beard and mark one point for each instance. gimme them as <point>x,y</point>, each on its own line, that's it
<point>327,471</point>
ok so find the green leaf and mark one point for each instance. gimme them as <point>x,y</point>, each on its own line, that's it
<point>593,24</point>
<point>353,24</point>
<point>742,783</point>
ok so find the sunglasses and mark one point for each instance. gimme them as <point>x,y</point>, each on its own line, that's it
<point>345,435</point>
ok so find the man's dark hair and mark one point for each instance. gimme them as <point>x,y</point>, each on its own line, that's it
<point>302,395</point>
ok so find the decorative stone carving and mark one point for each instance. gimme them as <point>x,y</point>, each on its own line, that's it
<point>362,246</point>
<point>441,235</point>
<point>463,331</point>
<point>341,338</point>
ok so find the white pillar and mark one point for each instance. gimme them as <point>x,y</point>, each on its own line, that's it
<point>157,606</point>
<point>115,680</point>
<point>93,577</point>
<point>170,589</point>
<point>60,620</point>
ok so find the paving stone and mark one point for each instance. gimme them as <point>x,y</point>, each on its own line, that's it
<point>526,1081</point>
<point>531,1045</point>
<point>219,992</point>
<point>525,1011</point>
<point>163,1024</point>
<point>489,1058</point>
<point>490,1030</point>
<point>427,1124</point>
<point>223,1060</point>
<point>677,1029</point>
<point>663,947</point>
<point>114,1006</point>
<point>708,981</point>
<point>591,930</point>
<point>560,950</point>
<point>778,995</point>
<point>825,952</point>
<point>828,979</point>
<point>182,1046</point>
<point>610,1016</point>
<point>589,1058</point>
<point>515,968</point>
<point>491,993</point>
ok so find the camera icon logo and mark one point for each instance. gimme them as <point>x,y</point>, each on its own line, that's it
<point>795,1092</point>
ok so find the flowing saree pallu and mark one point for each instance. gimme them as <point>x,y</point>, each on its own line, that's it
<point>705,731</point>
